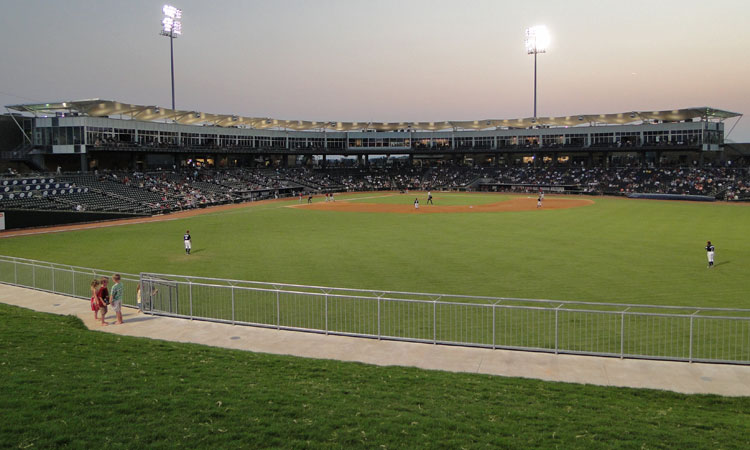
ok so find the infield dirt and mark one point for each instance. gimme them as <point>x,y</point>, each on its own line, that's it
<point>514,204</point>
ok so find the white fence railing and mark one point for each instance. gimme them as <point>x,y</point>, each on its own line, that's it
<point>606,329</point>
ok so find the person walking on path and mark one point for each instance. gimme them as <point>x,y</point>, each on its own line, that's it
<point>116,298</point>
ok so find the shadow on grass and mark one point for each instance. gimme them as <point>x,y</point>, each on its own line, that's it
<point>722,263</point>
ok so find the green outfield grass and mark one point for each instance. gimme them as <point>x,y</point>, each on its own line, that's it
<point>616,250</point>
<point>66,386</point>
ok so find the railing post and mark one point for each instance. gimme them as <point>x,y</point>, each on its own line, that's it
<point>378,318</point>
<point>434,322</point>
<point>690,356</point>
<point>73,271</point>
<point>326,312</point>
<point>53,280</point>
<point>557,329</point>
<point>494,307</point>
<point>233,321</point>
<point>33,275</point>
<point>278,311</point>
<point>190,290</point>
<point>15,271</point>
<point>622,335</point>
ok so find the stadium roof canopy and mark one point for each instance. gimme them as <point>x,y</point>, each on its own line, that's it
<point>106,108</point>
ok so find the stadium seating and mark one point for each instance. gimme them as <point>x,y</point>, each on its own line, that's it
<point>159,192</point>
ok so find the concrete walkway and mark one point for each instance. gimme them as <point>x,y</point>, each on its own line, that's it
<point>729,380</point>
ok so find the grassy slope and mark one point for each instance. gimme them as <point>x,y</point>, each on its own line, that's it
<point>66,386</point>
<point>615,250</point>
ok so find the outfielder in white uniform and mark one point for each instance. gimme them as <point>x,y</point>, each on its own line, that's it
<point>188,244</point>
<point>710,254</point>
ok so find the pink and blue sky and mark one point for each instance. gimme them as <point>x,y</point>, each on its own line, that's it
<point>385,60</point>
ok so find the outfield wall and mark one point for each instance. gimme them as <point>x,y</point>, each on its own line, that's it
<point>25,218</point>
<point>691,198</point>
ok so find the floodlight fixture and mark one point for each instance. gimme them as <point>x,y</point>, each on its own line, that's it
<point>171,25</point>
<point>537,41</point>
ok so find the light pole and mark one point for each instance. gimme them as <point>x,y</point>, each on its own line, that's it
<point>537,40</point>
<point>171,28</point>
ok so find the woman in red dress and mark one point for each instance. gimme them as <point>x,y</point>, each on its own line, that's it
<point>95,299</point>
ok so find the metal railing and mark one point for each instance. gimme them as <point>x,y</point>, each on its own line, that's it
<point>64,279</point>
<point>606,329</point>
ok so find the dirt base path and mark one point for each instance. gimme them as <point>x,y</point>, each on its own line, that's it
<point>517,203</point>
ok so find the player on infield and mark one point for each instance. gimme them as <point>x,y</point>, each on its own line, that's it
<point>416,203</point>
<point>710,254</point>
<point>429,198</point>
<point>188,243</point>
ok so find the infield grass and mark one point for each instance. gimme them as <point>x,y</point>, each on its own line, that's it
<point>66,386</point>
<point>616,250</point>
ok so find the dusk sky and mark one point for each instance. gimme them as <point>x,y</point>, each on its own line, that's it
<point>383,60</point>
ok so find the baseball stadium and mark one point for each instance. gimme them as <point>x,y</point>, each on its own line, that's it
<point>576,235</point>
<point>196,278</point>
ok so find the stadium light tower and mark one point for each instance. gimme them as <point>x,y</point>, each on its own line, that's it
<point>537,41</point>
<point>171,27</point>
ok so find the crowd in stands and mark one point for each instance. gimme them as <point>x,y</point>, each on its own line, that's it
<point>164,191</point>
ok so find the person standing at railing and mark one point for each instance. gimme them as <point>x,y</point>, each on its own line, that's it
<point>116,298</point>
<point>96,301</point>
<point>103,294</point>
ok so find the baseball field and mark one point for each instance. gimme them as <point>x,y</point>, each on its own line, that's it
<point>67,386</point>
<point>573,248</point>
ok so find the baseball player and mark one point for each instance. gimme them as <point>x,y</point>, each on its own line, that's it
<point>416,203</point>
<point>188,244</point>
<point>539,201</point>
<point>710,254</point>
<point>429,198</point>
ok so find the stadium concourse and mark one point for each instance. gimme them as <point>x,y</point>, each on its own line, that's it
<point>166,191</point>
<point>689,378</point>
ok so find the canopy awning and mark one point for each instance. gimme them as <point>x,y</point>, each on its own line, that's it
<point>106,108</point>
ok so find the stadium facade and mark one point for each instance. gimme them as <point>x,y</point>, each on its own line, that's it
<point>82,135</point>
